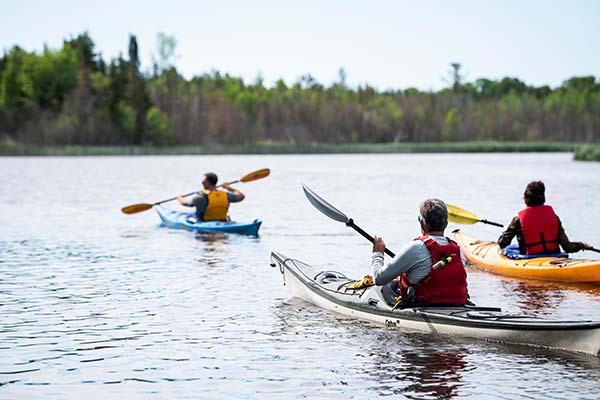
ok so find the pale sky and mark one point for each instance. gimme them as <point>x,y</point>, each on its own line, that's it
<point>387,44</point>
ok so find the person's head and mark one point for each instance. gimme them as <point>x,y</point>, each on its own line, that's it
<point>210,180</point>
<point>534,194</point>
<point>433,216</point>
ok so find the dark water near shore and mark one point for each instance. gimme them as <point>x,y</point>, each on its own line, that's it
<point>100,304</point>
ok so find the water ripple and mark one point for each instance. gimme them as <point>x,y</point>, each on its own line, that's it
<point>121,307</point>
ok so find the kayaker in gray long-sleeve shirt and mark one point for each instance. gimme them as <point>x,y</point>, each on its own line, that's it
<point>413,258</point>
<point>432,264</point>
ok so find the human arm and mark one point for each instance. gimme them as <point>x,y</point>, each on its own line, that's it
<point>513,229</point>
<point>413,258</point>
<point>566,244</point>
<point>184,202</point>
<point>239,196</point>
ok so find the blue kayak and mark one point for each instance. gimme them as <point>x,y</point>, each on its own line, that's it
<point>180,220</point>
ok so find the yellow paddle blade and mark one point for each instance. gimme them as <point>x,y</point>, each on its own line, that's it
<point>136,208</point>
<point>460,216</point>
<point>252,176</point>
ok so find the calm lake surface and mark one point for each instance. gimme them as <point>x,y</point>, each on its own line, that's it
<point>100,304</point>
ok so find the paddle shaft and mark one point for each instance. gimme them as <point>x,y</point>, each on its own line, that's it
<point>485,221</point>
<point>189,194</point>
<point>370,238</point>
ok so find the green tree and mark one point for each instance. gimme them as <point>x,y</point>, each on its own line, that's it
<point>452,125</point>
<point>164,56</point>
<point>136,92</point>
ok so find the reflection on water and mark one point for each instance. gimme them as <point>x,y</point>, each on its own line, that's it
<point>534,299</point>
<point>424,367</point>
<point>370,361</point>
<point>111,305</point>
<point>540,298</point>
<point>433,373</point>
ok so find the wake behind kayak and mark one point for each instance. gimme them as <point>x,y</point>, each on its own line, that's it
<point>329,290</point>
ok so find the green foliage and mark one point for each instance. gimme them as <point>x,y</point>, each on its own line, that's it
<point>11,91</point>
<point>582,84</point>
<point>100,82</point>
<point>48,78</point>
<point>452,125</point>
<point>587,153</point>
<point>71,95</point>
<point>126,121</point>
<point>159,128</point>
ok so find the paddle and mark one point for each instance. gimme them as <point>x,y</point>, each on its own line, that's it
<point>460,216</point>
<point>252,176</point>
<point>320,204</point>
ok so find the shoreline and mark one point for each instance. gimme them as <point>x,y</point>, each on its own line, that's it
<point>584,151</point>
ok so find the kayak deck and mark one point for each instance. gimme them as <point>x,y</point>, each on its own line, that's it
<point>329,290</point>
<point>488,256</point>
<point>180,220</point>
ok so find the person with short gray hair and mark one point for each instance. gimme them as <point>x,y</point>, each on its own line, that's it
<point>435,214</point>
<point>427,270</point>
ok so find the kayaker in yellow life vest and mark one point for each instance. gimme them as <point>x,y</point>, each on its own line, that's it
<point>537,228</point>
<point>211,203</point>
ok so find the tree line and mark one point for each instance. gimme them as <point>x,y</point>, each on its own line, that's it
<point>72,96</point>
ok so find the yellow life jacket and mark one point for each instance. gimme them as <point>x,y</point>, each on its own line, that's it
<point>217,206</point>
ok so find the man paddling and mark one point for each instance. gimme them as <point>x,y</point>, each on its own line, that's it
<point>212,204</point>
<point>537,228</point>
<point>429,268</point>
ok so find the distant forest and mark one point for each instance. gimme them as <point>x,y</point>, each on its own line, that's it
<point>71,96</point>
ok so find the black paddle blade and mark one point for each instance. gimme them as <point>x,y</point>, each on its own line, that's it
<point>322,205</point>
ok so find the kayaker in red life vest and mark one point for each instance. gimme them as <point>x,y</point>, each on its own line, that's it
<point>212,204</point>
<point>537,228</point>
<point>430,268</point>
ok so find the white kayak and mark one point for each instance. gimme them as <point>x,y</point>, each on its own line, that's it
<point>329,290</point>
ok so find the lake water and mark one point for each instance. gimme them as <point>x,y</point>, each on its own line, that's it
<point>100,304</point>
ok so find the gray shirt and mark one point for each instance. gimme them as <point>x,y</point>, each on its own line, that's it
<point>414,259</point>
<point>200,201</point>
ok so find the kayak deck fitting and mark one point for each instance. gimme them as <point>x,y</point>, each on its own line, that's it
<point>488,256</point>
<point>180,220</point>
<point>328,290</point>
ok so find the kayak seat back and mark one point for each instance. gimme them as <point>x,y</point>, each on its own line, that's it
<point>512,251</point>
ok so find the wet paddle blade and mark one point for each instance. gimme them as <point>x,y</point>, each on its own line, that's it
<point>252,176</point>
<point>136,208</point>
<point>322,205</point>
<point>460,216</point>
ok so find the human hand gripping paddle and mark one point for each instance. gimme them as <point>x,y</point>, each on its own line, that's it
<point>460,216</point>
<point>252,176</point>
<point>320,204</point>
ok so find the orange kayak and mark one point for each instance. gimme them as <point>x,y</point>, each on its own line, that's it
<point>487,256</point>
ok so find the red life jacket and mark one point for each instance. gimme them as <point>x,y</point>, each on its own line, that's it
<point>540,229</point>
<point>443,285</point>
